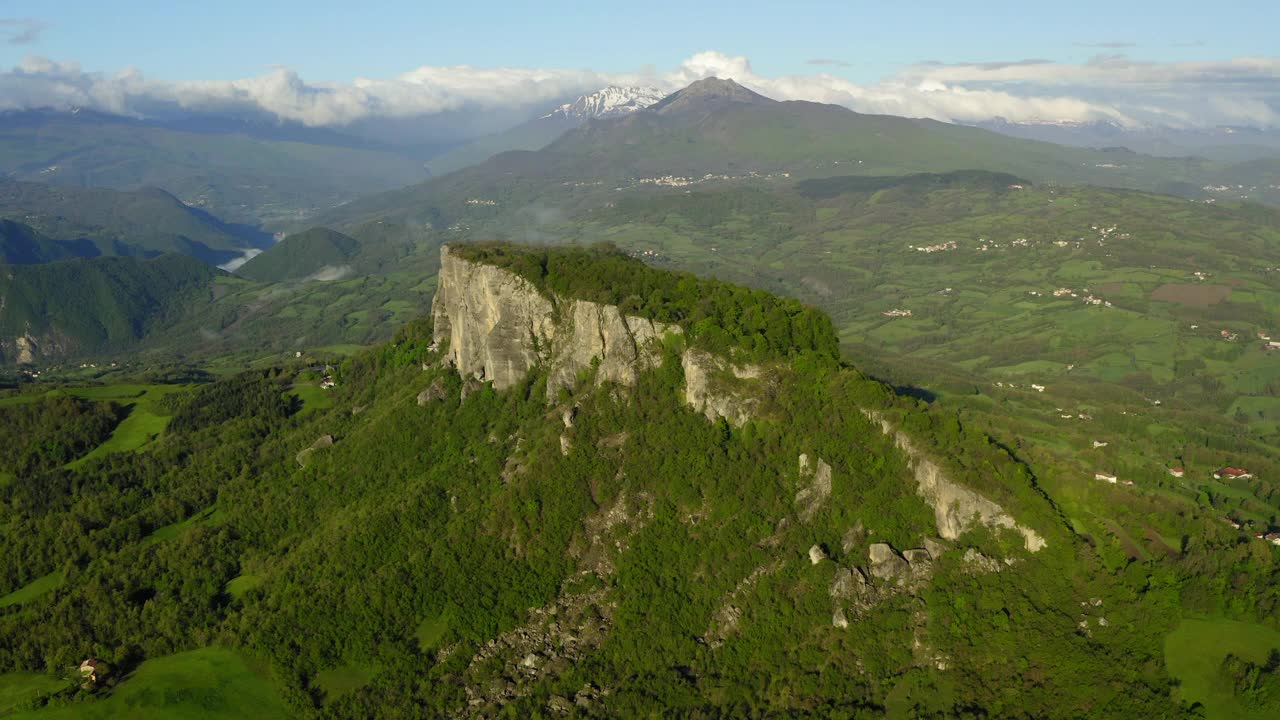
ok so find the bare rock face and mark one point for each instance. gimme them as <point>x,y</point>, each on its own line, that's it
<point>27,349</point>
<point>853,536</point>
<point>624,345</point>
<point>847,583</point>
<point>496,326</point>
<point>718,388</point>
<point>816,554</point>
<point>811,497</point>
<point>956,508</point>
<point>838,619</point>
<point>887,564</point>
<point>490,319</point>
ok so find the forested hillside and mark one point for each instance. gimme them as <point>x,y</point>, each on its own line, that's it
<point>414,542</point>
<point>100,305</point>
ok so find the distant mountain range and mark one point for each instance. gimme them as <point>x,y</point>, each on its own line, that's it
<point>718,131</point>
<point>1220,144</point>
<point>610,102</point>
<point>242,171</point>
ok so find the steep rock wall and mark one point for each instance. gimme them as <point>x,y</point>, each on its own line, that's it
<point>956,508</point>
<point>496,326</point>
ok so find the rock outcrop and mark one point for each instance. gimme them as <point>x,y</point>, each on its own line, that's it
<point>956,508</point>
<point>496,326</point>
<point>810,498</point>
<point>625,346</point>
<point>322,442</point>
<point>718,388</point>
<point>491,320</point>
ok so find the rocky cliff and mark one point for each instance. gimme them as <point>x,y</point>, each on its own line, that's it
<point>956,508</point>
<point>495,326</point>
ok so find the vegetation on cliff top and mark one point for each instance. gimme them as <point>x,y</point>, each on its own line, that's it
<point>717,315</point>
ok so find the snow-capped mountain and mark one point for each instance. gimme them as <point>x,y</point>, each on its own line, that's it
<point>609,102</point>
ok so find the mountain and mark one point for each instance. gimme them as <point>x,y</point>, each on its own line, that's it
<point>77,307</point>
<point>612,101</point>
<point>22,245</point>
<point>716,131</point>
<point>584,486</point>
<point>238,171</point>
<point>1220,144</point>
<point>301,255</point>
<point>100,221</point>
<point>537,133</point>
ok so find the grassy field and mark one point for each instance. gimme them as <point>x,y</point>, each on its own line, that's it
<point>17,689</point>
<point>313,397</point>
<point>207,684</point>
<point>241,584</point>
<point>168,532</point>
<point>34,589</point>
<point>430,631</point>
<point>1194,651</point>
<point>145,421</point>
<point>339,681</point>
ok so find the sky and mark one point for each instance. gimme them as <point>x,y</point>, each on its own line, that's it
<point>1127,61</point>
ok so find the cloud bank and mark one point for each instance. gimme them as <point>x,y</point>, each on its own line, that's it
<point>1238,91</point>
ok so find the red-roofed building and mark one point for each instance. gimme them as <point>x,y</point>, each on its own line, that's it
<point>1177,472</point>
<point>1232,473</point>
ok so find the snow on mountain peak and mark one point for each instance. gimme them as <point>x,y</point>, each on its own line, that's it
<point>609,102</point>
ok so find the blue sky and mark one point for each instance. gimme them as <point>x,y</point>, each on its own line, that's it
<point>327,63</point>
<point>339,41</point>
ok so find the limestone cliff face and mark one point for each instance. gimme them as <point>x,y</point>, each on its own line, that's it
<point>495,323</point>
<point>720,389</point>
<point>496,326</point>
<point>956,508</point>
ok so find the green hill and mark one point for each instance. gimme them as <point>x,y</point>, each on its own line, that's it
<point>99,221</point>
<point>22,245</point>
<point>532,135</point>
<point>301,255</point>
<point>81,306</point>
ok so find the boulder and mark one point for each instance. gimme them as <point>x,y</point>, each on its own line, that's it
<point>838,619</point>
<point>816,554</point>
<point>847,583</point>
<point>322,442</point>
<point>436,391</point>
<point>886,564</point>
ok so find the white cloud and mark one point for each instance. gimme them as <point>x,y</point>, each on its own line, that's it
<point>1107,87</point>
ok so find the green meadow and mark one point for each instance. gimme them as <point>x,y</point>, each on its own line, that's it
<point>34,589</point>
<point>20,689</point>
<point>1195,650</point>
<point>207,684</point>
